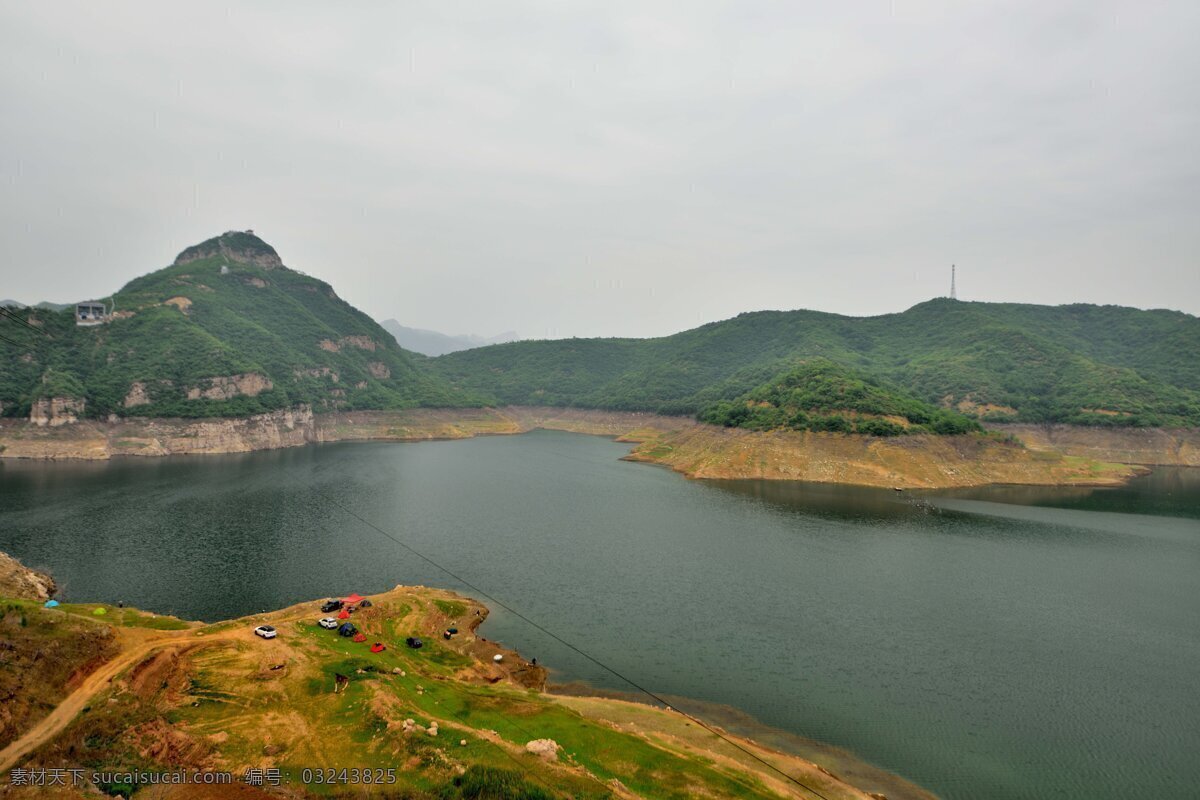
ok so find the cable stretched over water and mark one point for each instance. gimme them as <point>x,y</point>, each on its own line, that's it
<point>714,731</point>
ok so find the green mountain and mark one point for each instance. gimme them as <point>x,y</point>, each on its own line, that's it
<point>1082,364</point>
<point>226,330</point>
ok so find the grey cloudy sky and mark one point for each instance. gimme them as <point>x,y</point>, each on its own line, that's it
<point>611,168</point>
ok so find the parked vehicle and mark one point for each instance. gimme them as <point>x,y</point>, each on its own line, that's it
<point>414,642</point>
<point>265,631</point>
<point>331,605</point>
<point>328,623</point>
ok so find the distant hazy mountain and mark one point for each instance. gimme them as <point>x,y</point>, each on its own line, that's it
<point>44,304</point>
<point>432,343</point>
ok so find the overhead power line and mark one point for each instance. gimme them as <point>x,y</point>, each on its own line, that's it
<point>14,342</point>
<point>6,314</point>
<point>714,731</point>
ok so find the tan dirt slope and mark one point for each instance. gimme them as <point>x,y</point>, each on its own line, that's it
<point>1155,446</point>
<point>906,462</point>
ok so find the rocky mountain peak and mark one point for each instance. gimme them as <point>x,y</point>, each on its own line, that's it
<point>240,246</point>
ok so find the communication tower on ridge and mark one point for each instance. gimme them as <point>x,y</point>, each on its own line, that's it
<point>953,291</point>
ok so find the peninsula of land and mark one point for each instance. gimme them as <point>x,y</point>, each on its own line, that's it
<point>109,691</point>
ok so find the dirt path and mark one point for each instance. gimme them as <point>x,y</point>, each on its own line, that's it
<point>138,644</point>
<point>135,651</point>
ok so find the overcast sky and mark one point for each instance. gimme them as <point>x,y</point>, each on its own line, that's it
<point>611,169</point>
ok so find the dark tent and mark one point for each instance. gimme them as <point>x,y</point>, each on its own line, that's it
<point>347,629</point>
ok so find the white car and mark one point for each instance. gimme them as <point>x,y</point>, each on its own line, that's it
<point>329,623</point>
<point>265,631</point>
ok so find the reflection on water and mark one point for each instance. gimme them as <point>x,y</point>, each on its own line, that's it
<point>978,647</point>
<point>1167,491</point>
<point>828,500</point>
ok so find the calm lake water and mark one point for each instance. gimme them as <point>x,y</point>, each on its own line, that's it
<point>1001,643</point>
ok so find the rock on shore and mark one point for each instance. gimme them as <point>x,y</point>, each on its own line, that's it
<point>18,580</point>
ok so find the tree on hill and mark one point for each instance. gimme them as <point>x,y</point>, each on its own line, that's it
<point>819,395</point>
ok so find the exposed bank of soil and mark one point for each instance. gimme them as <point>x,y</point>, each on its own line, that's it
<point>908,462</point>
<point>137,436</point>
<point>1156,446</point>
<point>1039,455</point>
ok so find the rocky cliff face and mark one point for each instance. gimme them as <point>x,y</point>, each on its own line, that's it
<point>55,411</point>
<point>240,246</point>
<point>361,342</point>
<point>137,396</point>
<point>227,387</point>
<point>91,439</point>
<point>21,582</point>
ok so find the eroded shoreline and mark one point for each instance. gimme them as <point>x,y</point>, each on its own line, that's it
<point>1023,454</point>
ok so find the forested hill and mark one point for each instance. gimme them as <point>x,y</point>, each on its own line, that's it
<point>1083,364</point>
<point>226,330</point>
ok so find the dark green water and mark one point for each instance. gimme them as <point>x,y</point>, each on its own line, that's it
<point>1007,643</point>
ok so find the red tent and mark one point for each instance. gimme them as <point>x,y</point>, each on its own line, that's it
<point>343,614</point>
<point>378,647</point>
<point>352,600</point>
<point>360,637</point>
